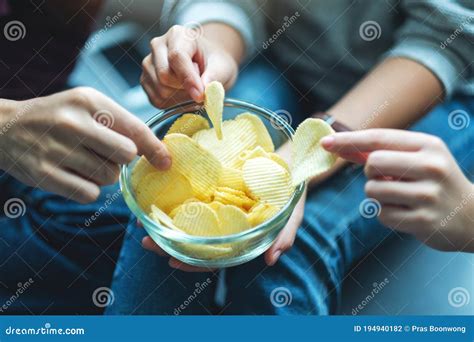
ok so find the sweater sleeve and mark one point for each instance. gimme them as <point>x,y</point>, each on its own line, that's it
<point>440,36</point>
<point>243,15</point>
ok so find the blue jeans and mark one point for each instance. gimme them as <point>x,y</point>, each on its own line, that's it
<point>308,278</point>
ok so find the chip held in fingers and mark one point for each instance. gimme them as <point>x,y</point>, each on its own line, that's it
<point>214,95</point>
<point>227,178</point>
<point>309,157</point>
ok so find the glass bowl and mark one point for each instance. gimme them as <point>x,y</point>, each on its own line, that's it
<point>221,251</point>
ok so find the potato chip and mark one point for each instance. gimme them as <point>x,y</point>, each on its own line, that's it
<point>309,157</point>
<point>216,205</point>
<point>214,104</point>
<point>199,166</point>
<point>164,189</point>
<point>232,219</point>
<point>232,178</point>
<point>260,213</point>
<point>197,218</point>
<point>268,181</point>
<point>263,137</point>
<point>140,170</point>
<point>188,124</point>
<point>238,136</point>
<point>278,159</point>
<point>207,252</point>
<point>160,217</point>
<point>238,198</point>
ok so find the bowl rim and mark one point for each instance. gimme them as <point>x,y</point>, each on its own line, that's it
<point>179,236</point>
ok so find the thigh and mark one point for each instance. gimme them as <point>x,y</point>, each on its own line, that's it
<point>48,239</point>
<point>145,284</point>
<point>339,228</point>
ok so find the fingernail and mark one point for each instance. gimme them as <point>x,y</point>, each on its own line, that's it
<point>276,256</point>
<point>328,142</point>
<point>164,163</point>
<point>195,94</point>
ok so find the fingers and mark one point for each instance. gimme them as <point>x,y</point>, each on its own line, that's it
<point>181,54</point>
<point>69,185</point>
<point>286,237</point>
<point>409,194</point>
<point>127,124</point>
<point>93,167</point>
<point>404,220</point>
<point>374,139</point>
<point>150,245</point>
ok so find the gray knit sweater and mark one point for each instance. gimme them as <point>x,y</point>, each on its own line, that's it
<point>328,45</point>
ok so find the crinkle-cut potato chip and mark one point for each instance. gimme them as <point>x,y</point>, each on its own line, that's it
<point>232,219</point>
<point>263,137</point>
<point>260,213</point>
<point>140,170</point>
<point>232,178</point>
<point>268,181</point>
<point>197,218</point>
<point>238,198</point>
<point>199,166</point>
<point>249,154</point>
<point>188,124</point>
<point>207,252</point>
<point>238,136</point>
<point>164,189</point>
<point>214,95</point>
<point>160,217</point>
<point>278,159</point>
<point>175,209</point>
<point>309,157</point>
<point>216,205</point>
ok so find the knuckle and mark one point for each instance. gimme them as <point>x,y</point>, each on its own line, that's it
<point>155,42</point>
<point>435,142</point>
<point>371,188</point>
<point>436,168</point>
<point>83,95</point>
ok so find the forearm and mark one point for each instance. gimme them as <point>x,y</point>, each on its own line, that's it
<point>469,218</point>
<point>227,38</point>
<point>394,95</point>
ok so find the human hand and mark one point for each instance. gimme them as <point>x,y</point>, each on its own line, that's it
<point>181,63</point>
<point>72,142</point>
<point>421,189</point>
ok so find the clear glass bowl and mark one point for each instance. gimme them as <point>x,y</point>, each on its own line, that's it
<point>222,251</point>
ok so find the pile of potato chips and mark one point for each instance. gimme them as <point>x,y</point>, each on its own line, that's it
<point>226,179</point>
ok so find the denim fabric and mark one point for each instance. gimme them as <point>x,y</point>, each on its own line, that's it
<point>307,279</point>
<point>66,258</point>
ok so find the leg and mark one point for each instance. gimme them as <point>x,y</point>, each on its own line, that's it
<point>47,242</point>
<point>307,280</point>
<point>143,282</point>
